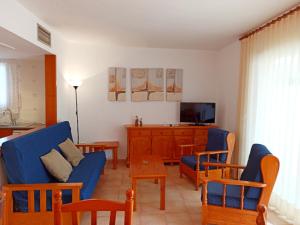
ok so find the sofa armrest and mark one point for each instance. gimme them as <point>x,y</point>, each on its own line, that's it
<point>8,190</point>
<point>226,182</point>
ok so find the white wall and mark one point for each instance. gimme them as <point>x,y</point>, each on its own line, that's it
<point>20,21</point>
<point>227,80</point>
<point>208,76</point>
<point>104,120</point>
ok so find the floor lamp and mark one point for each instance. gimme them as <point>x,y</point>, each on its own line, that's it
<point>75,85</point>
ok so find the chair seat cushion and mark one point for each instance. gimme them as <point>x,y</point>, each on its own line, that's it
<point>233,196</point>
<point>191,161</point>
<point>88,172</point>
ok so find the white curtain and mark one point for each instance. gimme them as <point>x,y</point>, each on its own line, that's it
<point>270,106</point>
<point>10,97</point>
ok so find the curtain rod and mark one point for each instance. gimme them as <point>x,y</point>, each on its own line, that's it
<point>271,22</point>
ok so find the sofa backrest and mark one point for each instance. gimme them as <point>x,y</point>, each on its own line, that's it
<point>252,172</point>
<point>22,155</point>
<point>217,140</point>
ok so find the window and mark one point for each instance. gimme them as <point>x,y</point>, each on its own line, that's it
<point>3,86</point>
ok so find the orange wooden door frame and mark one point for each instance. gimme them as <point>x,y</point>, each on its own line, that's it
<point>50,90</point>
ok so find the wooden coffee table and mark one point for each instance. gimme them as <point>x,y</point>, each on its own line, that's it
<point>149,167</point>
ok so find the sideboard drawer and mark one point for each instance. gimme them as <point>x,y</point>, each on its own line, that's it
<point>162,132</point>
<point>200,140</point>
<point>201,132</point>
<point>183,132</point>
<point>140,132</point>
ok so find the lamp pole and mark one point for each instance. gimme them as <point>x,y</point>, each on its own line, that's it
<point>75,88</point>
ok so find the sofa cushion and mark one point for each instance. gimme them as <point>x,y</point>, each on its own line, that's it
<point>22,155</point>
<point>217,140</point>
<point>88,171</point>
<point>57,165</point>
<point>71,152</point>
<point>233,200</point>
<point>190,160</point>
<point>252,172</point>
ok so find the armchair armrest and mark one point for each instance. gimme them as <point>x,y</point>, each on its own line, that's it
<point>207,164</point>
<point>226,182</point>
<point>191,148</point>
<point>8,190</point>
<point>224,166</point>
<point>236,182</point>
<point>211,152</point>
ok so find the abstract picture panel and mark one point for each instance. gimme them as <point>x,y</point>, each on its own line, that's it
<point>174,78</point>
<point>117,84</point>
<point>147,84</point>
<point>155,84</point>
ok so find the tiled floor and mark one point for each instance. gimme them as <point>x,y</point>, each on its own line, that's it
<point>182,201</point>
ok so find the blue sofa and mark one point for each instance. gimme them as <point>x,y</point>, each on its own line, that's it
<point>24,166</point>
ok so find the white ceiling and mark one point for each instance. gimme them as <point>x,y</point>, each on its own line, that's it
<point>21,47</point>
<point>194,24</point>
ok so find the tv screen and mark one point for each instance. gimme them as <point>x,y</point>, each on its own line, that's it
<point>197,113</point>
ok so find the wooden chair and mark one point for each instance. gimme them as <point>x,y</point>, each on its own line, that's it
<point>2,203</point>
<point>261,218</point>
<point>219,148</point>
<point>93,205</point>
<point>236,200</point>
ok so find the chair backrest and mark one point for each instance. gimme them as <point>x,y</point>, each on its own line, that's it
<point>94,205</point>
<point>262,166</point>
<point>230,146</point>
<point>219,139</point>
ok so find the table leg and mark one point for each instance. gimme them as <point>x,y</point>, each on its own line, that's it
<point>115,157</point>
<point>133,184</point>
<point>156,181</point>
<point>162,193</point>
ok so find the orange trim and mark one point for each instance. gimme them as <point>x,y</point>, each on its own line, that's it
<point>270,22</point>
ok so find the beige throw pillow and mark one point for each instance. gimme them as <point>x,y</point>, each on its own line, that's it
<point>57,165</point>
<point>71,152</point>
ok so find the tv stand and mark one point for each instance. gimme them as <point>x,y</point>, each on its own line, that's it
<point>162,140</point>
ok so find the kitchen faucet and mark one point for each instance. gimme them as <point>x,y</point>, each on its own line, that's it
<point>12,120</point>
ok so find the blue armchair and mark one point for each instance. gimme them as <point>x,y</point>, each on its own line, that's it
<point>219,149</point>
<point>236,201</point>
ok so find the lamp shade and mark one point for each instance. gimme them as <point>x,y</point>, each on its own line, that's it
<point>75,83</point>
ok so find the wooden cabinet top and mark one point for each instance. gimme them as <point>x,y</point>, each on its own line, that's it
<point>167,126</point>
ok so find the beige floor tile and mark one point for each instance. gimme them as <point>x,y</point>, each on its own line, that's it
<point>183,203</point>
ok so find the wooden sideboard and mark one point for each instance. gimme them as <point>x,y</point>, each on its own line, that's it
<point>163,140</point>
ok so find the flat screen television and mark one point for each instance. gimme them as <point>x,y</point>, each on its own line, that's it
<point>197,113</point>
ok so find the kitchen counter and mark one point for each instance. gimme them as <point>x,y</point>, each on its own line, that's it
<point>19,130</point>
<point>20,126</point>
